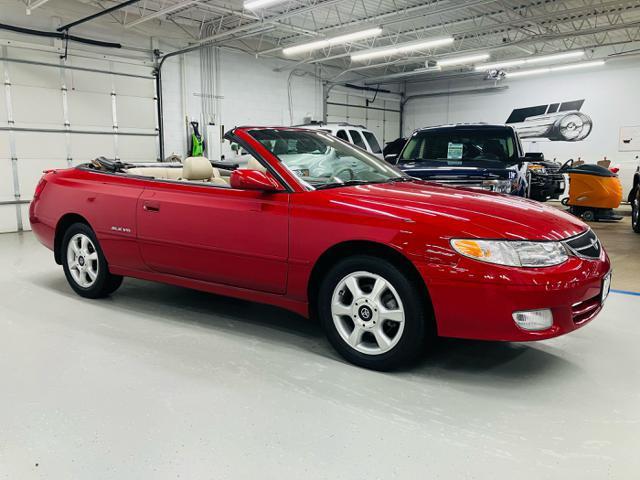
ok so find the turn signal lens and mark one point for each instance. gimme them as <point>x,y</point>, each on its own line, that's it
<point>470,248</point>
<point>512,253</point>
<point>534,320</point>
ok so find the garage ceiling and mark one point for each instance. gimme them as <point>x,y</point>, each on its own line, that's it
<point>505,28</point>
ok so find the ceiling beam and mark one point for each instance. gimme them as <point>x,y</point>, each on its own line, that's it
<point>37,4</point>
<point>161,12</point>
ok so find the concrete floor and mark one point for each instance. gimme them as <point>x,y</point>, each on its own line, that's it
<point>162,382</point>
<point>623,246</point>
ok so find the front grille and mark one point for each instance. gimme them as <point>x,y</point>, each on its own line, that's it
<point>585,245</point>
<point>583,311</point>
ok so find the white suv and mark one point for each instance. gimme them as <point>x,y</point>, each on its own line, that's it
<point>356,134</point>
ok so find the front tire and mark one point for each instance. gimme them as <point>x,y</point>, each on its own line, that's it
<point>372,313</point>
<point>85,265</point>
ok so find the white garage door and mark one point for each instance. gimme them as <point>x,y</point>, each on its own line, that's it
<point>53,117</point>
<point>380,113</point>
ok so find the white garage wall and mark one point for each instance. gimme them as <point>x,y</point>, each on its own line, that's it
<point>250,92</point>
<point>53,118</point>
<point>611,100</point>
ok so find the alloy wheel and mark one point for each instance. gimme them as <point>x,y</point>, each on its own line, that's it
<point>368,313</point>
<point>82,260</point>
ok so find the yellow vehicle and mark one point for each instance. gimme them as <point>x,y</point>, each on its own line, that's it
<point>594,191</point>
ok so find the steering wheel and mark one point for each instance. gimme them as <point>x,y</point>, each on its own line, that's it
<point>567,164</point>
<point>352,174</point>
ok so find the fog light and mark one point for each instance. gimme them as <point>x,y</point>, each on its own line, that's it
<point>534,320</point>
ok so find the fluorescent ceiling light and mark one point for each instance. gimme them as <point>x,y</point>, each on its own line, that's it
<point>557,56</point>
<point>572,66</point>
<point>327,42</point>
<point>465,60</point>
<point>401,48</point>
<point>256,4</point>
<point>527,61</point>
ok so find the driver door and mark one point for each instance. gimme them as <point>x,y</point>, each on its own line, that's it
<point>215,234</point>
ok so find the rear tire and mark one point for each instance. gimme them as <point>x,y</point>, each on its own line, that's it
<point>372,313</point>
<point>635,215</point>
<point>85,265</point>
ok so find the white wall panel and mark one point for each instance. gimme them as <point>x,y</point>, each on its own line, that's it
<point>137,149</point>
<point>87,147</point>
<point>8,218</point>
<point>90,109</point>
<point>49,151</point>
<point>6,180</point>
<point>175,141</point>
<point>3,101</point>
<point>40,145</point>
<point>338,111</point>
<point>135,87</point>
<point>34,75</point>
<point>30,171</point>
<point>24,208</point>
<point>89,82</point>
<point>4,145</point>
<point>49,106</point>
<point>135,112</point>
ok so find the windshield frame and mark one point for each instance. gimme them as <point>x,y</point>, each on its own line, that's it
<point>395,174</point>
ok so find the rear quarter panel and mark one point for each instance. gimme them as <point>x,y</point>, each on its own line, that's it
<point>106,201</point>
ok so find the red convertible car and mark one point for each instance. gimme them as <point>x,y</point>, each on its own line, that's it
<point>317,226</point>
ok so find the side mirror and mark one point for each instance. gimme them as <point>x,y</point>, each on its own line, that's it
<point>245,179</point>
<point>391,158</point>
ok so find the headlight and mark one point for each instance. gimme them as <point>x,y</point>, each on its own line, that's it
<point>512,253</point>
<point>537,169</point>
<point>498,186</point>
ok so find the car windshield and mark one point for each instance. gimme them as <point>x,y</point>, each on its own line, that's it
<point>457,148</point>
<point>321,160</point>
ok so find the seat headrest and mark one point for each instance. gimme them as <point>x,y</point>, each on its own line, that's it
<point>253,164</point>
<point>197,168</point>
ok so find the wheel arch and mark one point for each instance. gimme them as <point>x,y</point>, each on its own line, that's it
<point>364,247</point>
<point>63,224</point>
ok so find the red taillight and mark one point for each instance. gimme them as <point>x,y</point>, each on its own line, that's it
<point>39,188</point>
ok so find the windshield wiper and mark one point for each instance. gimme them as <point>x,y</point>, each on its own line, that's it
<point>400,179</point>
<point>347,183</point>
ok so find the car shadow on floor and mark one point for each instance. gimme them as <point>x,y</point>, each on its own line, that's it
<point>450,359</point>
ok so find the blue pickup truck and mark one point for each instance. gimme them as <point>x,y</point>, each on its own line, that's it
<point>487,157</point>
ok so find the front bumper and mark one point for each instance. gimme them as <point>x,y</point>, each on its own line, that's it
<point>477,301</point>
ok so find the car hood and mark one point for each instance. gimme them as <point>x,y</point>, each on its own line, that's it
<point>460,211</point>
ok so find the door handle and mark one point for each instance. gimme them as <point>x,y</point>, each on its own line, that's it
<point>151,206</point>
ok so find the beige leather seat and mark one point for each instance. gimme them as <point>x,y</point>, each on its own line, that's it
<point>200,169</point>
<point>195,169</point>
<point>164,173</point>
<point>253,164</point>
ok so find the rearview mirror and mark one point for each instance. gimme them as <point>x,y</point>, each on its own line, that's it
<point>245,179</point>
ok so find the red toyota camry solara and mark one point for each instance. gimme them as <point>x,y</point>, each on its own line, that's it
<point>317,226</point>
